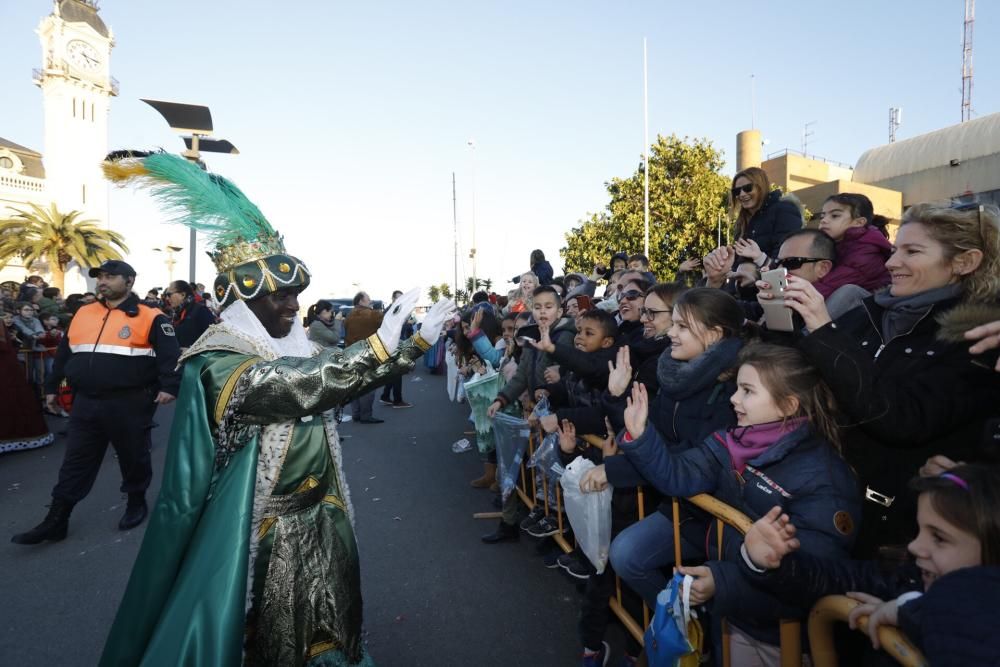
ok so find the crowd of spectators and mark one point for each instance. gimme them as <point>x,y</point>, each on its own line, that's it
<point>815,376</point>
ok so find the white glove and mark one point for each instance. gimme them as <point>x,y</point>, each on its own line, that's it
<point>395,318</point>
<point>434,320</point>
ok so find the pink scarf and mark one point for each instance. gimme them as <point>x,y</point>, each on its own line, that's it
<point>747,442</point>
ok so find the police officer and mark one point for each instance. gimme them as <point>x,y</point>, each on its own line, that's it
<point>120,358</point>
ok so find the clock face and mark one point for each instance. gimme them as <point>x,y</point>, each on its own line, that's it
<point>83,55</point>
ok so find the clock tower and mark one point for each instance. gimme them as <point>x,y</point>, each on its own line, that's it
<point>77,88</point>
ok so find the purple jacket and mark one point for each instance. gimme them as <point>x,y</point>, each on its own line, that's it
<point>861,258</point>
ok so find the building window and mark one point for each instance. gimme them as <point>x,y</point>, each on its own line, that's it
<point>6,163</point>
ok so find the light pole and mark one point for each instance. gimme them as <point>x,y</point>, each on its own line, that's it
<point>170,261</point>
<point>194,120</point>
<point>472,251</point>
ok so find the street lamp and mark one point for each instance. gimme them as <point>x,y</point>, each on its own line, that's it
<point>170,261</point>
<point>195,121</point>
<point>472,251</point>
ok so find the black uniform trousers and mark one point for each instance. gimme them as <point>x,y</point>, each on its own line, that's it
<point>124,420</point>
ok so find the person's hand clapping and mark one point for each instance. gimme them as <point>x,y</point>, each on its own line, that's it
<point>637,410</point>
<point>770,538</point>
<point>620,372</point>
<point>748,248</point>
<point>716,265</point>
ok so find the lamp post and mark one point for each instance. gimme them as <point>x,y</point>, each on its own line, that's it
<point>472,251</point>
<point>170,261</point>
<point>194,120</point>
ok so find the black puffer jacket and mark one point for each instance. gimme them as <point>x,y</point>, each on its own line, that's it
<point>906,399</point>
<point>773,222</point>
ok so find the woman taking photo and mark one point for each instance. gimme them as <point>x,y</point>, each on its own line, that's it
<point>323,326</point>
<point>899,365</point>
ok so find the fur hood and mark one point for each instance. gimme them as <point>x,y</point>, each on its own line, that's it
<point>956,321</point>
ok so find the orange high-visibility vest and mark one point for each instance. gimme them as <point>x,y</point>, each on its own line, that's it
<point>94,328</point>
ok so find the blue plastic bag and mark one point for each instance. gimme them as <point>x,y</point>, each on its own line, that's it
<point>666,638</point>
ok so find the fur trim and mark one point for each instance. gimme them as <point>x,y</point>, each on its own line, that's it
<point>333,441</point>
<point>956,321</point>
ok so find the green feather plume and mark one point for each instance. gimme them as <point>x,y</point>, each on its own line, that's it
<point>205,202</point>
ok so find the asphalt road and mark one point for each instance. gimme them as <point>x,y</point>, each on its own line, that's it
<point>434,593</point>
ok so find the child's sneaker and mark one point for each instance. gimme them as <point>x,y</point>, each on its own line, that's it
<point>534,516</point>
<point>598,659</point>
<point>551,559</point>
<point>574,566</point>
<point>546,526</point>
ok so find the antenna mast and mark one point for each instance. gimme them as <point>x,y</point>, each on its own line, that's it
<point>970,17</point>
<point>895,120</point>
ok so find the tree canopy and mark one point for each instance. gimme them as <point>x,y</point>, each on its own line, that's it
<point>57,238</point>
<point>687,201</point>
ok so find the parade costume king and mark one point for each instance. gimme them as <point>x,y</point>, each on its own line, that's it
<point>250,556</point>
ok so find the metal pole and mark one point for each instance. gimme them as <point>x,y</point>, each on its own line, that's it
<point>193,236</point>
<point>454,215</point>
<point>472,145</point>
<point>645,150</point>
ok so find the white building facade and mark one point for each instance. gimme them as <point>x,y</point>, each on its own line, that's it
<point>77,87</point>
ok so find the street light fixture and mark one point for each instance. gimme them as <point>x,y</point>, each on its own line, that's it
<point>194,120</point>
<point>170,261</point>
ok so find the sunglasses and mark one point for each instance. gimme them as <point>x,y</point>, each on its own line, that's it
<point>792,263</point>
<point>651,313</point>
<point>630,295</point>
<point>745,189</point>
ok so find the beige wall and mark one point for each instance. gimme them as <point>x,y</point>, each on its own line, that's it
<point>792,172</point>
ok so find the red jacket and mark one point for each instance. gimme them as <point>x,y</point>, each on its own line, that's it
<point>861,258</point>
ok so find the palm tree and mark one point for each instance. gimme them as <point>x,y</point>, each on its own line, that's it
<point>58,238</point>
<point>434,293</point>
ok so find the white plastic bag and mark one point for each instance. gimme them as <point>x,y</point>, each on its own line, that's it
<point>589,513</point>
<point>451,385</point>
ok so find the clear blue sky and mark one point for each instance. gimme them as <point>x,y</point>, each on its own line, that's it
<point>351,116</point>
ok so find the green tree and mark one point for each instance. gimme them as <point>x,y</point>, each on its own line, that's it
<point>57,238</point>
<point>687,201</point>
<point>434,293</point>
<point>444,289</point>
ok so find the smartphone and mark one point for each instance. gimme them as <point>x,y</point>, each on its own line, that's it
<point>777,316</point>
<point>528,334</point>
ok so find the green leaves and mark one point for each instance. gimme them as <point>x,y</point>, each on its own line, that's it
<point>36,233</point>
<point>687,202</point>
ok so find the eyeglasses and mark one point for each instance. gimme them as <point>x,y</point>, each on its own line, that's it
<point>651,313</point>
<point>745,189</point>
<point>793,263</point>
<point>630,295</point>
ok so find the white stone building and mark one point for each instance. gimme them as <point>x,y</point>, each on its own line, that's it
<point>77,87</point>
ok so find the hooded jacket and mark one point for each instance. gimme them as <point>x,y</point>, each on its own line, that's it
<point>776,219</point>
<point>904,400</point>
<point>801,472</point>
<point>861,258</point>
<point>530,374</point>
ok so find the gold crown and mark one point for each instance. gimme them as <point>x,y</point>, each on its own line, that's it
<point>241,252</point>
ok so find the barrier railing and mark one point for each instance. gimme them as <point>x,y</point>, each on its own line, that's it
<point>821,618</point>
<point>834,608</point>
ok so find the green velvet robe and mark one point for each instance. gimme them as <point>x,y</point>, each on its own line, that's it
<point>249,556</point>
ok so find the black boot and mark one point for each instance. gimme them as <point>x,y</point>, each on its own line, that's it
<point>53,527</point>
<point>504,532</point>
<point>135,512</point>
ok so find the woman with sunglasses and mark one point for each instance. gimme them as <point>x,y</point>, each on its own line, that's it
<point>631,294</point>
<point>763,218</point>
<point>900,366</point>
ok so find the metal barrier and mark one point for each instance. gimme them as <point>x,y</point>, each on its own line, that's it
<point>821,618</point>
<point>835,608</point>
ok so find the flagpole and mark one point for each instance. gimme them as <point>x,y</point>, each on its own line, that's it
<point>645,149</point>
